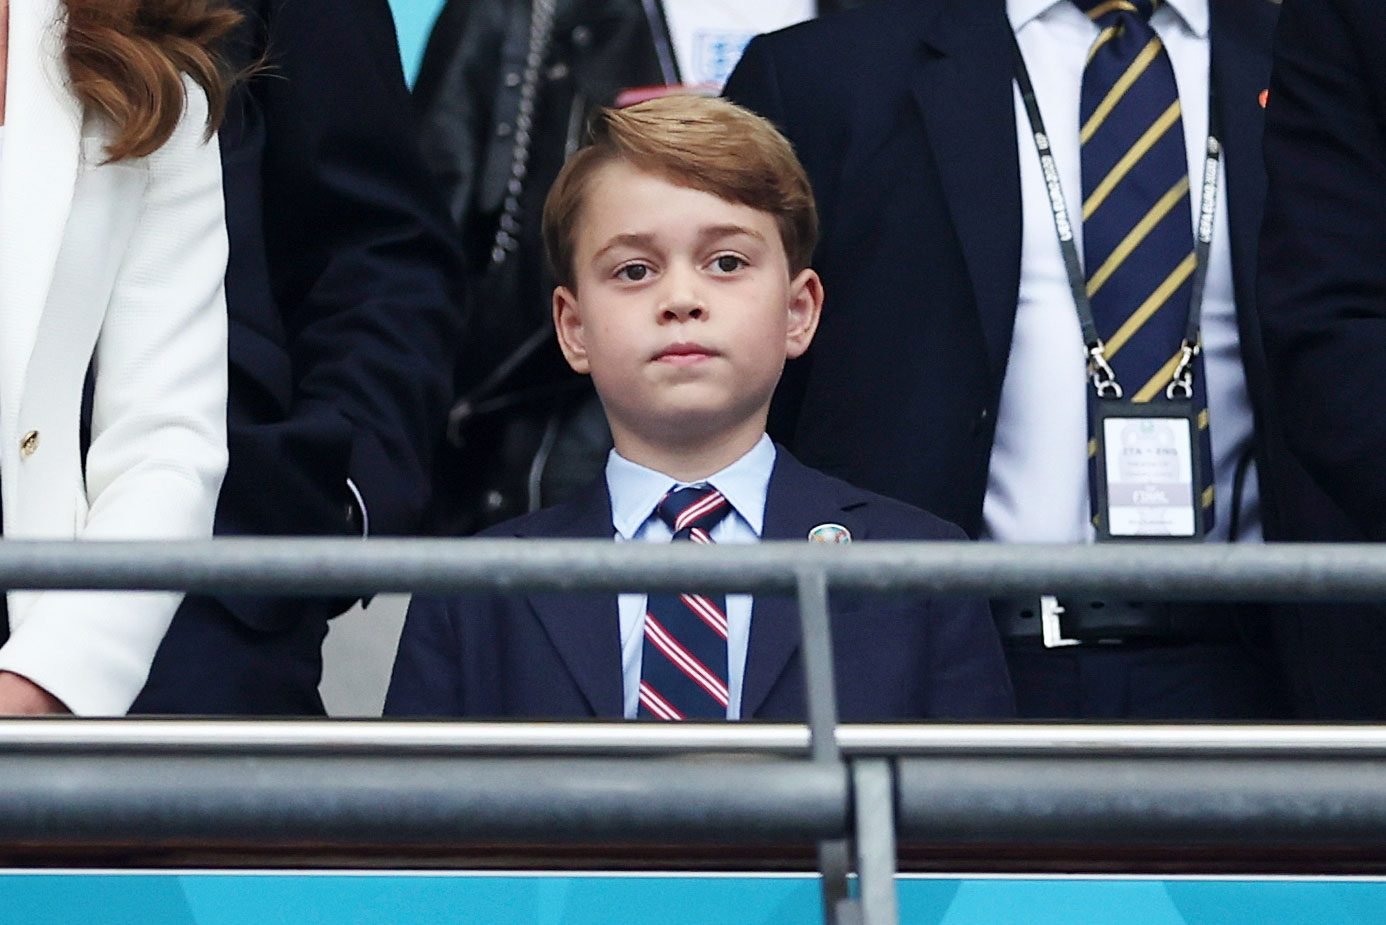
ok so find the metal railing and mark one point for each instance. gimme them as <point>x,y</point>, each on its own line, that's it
<point>332,566</point>
<point>1071,795</point>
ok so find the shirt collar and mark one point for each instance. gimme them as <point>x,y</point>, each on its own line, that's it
<point>1194,13</point>
<point>1021,12</point>
<point>636,489</point>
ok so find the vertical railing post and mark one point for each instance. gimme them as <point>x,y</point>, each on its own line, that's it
<point>820,693</point>
<point>873,799</point>
<point>875,827</point>
<point>820,684</point>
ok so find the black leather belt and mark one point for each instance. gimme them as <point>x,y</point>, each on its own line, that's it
<point>1088,620</point>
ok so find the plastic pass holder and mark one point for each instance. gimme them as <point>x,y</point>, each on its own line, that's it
<point>1147,469</point>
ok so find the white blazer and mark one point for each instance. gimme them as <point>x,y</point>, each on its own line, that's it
<point>121,266</point>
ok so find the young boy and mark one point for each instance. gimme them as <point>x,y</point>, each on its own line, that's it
<point>680,239</point>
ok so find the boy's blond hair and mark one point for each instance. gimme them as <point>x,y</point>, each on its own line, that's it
<point>702,143</point>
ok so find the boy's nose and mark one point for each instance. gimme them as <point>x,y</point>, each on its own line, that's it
<point>682,309</point>
<point>683,300</point>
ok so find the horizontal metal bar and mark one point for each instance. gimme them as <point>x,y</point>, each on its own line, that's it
<point>266,802</point>
<point>1105,804</point>
<point>1218,571</point>
<point>1207,810</point>
<point>413,738</point>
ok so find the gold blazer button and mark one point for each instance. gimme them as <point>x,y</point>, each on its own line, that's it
<point>29,444</point>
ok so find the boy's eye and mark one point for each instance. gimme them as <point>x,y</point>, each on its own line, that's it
<point>633,272</point>
<point>728,263</point>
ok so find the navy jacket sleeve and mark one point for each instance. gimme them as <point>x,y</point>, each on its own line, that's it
<point>343,281</point>
<point>1323,249</point>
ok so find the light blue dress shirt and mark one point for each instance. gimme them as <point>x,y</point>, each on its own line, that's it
<point>635,492</point>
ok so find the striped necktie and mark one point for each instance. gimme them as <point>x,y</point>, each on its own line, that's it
<point>683,673</point>
<point>1137,227</point>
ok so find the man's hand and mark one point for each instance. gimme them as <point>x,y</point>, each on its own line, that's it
<point>21,697</point>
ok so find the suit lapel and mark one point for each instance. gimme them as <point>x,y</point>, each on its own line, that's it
<point>1241,35</point>
<point>38,175</point>
<point>798,500</point>
<point>963,86</point>
<point>585,627</point>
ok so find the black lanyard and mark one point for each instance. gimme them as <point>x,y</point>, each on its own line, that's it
<point>1099,371</point>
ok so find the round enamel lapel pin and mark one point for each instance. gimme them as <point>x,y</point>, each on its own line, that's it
<point>830,533</point>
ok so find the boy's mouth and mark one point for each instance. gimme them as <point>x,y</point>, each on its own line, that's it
<point>684,354</point>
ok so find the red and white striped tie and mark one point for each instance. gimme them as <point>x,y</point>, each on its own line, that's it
<point>683,671</point>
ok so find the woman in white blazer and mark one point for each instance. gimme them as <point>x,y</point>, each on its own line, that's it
<point>112,255</point>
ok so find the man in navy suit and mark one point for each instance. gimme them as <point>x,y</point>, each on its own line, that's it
<point>951,370</point>
<point>680,241</point>
<point>342,294</point>
<point>1323,295</point>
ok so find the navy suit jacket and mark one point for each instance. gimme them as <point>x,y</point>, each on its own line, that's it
<point>342,283</point>
<point>558,655</point>
<point>343,302</point>
<point>1324,251</point>
<point>1323,295</point>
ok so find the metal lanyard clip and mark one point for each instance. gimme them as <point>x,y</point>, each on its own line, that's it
<point>1181,385</point>
<point>1101,373</point>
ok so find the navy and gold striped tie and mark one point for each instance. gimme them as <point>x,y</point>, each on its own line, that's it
<point>1137,225</point>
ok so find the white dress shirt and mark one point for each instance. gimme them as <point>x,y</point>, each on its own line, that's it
<point>1037,488</point>
<point>635,491</point>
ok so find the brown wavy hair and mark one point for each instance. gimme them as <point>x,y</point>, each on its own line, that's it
<point>712,145</point>
<point>127,58</point>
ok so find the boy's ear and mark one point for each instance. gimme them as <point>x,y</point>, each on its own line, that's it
<point>805,307</point>
<point>567,323</point>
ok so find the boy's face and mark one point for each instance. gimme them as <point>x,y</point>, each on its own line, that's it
<point>684,310</point>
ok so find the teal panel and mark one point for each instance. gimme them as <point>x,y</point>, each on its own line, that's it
<point>927,902</point>
<point>1238,902</point>
<point>377,900</point>
<point>1063,902</point>
<point>391,899</point>
<point>413,20</point>
<point>58,899</point>
<point>348,900</point>
<point>693,902</point>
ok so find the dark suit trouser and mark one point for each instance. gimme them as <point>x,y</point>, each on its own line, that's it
<point>1188,681</point>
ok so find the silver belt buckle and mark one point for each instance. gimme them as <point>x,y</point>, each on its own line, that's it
<point>1050,628</point>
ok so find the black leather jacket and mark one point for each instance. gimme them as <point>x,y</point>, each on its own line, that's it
<point>496,130</point>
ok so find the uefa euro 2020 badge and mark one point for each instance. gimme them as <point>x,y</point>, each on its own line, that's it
<point>834,534</point>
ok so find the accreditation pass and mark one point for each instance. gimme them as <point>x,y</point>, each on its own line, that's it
<point>1147,469</point>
